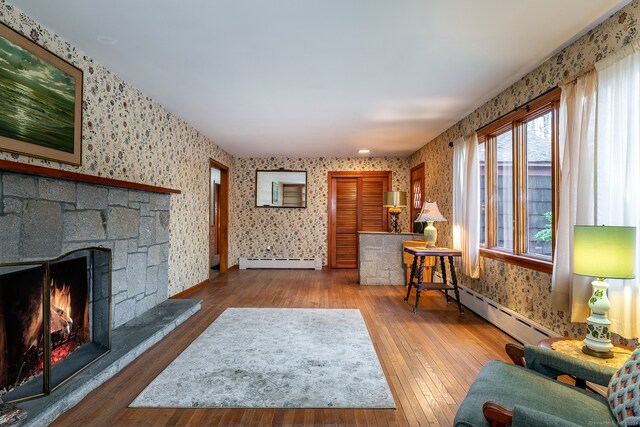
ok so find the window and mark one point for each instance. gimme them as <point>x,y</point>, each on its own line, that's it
<point>518,168</point>
<point>483,179</point>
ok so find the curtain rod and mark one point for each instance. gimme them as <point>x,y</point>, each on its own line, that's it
<point>575,77</point>
<point>525,105</point>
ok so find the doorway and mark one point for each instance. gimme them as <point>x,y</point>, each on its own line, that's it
<point>218,217</point>
<point>355,204</point>
<point>417,195</point>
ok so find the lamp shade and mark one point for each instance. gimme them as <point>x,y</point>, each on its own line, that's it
<point>430,212</point>
<point>604,251</point>
<point>395,199</point>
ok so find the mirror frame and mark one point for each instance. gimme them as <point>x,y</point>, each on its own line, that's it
<point>306,183</point>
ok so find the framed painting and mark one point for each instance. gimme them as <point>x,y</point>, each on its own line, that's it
<point>40,101</point>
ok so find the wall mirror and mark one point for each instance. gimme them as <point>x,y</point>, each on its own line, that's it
<point>281,189</point>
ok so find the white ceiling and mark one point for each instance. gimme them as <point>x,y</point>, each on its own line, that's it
<point>324,77</point>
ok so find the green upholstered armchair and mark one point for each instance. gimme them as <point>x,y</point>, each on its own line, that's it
<point>504,394</point>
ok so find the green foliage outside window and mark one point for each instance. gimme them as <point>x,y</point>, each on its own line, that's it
<point>545,234</point>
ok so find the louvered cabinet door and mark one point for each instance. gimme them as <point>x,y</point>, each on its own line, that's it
<point>372,215</point>
<point>345,216</point>
<point>355,204</point>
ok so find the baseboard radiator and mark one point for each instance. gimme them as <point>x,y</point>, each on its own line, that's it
<point>284,263</point>
<point>514,324</point>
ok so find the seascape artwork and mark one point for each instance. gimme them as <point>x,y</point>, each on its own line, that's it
<point>36,99</point>
<point>39,111</point>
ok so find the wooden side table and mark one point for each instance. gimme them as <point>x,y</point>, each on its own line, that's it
<point>417,271</point>
<point>573,348</point>
<point>407,260</point>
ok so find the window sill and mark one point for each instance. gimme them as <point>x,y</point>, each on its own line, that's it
<point>519,260</point>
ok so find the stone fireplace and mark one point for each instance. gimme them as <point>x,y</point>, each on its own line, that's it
<point>44,217</point>
<point>72,220</point>
<point>70,294</point>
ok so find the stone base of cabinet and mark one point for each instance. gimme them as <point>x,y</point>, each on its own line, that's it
<point>380,260</point>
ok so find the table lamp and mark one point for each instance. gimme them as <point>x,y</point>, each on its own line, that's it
<point>604,253</point>
<point>429,214</point>
<point>395,201</point>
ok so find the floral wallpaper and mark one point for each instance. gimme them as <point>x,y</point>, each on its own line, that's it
<point>293,232</point>
<point>524,291</point>
<point>127,135</point>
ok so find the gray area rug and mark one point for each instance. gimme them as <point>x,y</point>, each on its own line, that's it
<point>275,358</point>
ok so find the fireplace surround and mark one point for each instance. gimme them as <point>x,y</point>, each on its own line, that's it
<point>71,294</point>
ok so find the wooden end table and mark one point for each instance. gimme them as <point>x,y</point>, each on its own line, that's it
<point>573,348</point>
<point>417,271</point>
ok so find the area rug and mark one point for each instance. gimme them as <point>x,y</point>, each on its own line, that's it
<point>275,358</point>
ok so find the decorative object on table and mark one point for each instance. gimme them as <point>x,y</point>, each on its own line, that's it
<point>605,253</point>
<point>275,358</point>
<point>40,101</point>
<point>395,201</point>
<point>429,214</point>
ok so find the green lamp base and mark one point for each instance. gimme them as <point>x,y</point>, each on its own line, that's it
<point>430,235</point>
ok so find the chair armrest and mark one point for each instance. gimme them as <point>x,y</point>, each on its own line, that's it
<point>553,363</point>
<point>516,353</point>
<point>496,414</point>
<point>523,416</point>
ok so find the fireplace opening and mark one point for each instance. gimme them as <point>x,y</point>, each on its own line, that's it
<point>72,295</point>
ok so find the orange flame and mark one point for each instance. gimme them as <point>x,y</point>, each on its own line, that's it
<point>61,309</point>
<point>61,298</point>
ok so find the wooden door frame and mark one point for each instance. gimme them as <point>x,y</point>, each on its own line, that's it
<point>422,189</point>
<point>331,201</point>
<point>224,215</point>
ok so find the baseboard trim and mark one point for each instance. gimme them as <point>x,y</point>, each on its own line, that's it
<point>234,267</point>
<point>190,290</point>
<point>511,322</point>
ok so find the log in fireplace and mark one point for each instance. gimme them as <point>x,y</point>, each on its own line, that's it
<point>72,295</point>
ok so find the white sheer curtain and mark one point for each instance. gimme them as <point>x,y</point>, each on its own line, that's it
<point>618,170</point>
<point>466,203</point>
<point>571,293</point>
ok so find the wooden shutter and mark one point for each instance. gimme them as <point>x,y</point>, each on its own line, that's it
<point>346,223</point>
<point>373,215</point>
<point>355,204</point>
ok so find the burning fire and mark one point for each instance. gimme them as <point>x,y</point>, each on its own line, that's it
<point>61,321</point>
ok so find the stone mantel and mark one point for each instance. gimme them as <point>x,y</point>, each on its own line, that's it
<point>380,257</point>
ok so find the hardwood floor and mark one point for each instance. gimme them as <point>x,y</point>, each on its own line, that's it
<point>430,358</point>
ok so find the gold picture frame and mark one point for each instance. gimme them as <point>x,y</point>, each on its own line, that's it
<point>40,101</point>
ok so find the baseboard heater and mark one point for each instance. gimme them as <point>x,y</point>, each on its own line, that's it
<point>284,263</point>
<point>514,324</point>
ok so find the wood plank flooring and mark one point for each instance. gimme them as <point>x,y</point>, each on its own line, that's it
<point>429,358</point>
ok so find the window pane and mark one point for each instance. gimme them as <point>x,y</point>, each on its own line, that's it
<point>483,179</point>
<point>504,193</point>
<point>539,186</point>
